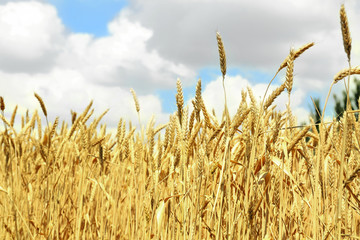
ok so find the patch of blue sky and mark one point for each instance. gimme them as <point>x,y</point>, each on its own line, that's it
<point>168,99</point>
<point>88,16</point>
<point>252,75</point>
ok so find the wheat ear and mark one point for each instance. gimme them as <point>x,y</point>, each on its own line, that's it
<point>2,104</point>
<point>290,71</point>
<point>297,138</point>
<point>53,128</point>
<point>137,105</point>
<point>346,72</point>
<point>42,104</point>
<point>222,57</point>
<point>296,54</point>
<point>179,100</point>
<point>73,116</point>
<point>221,54</point>
<point>83,114</point>
<point>2,108</point>
<point>345,31</point>
<point>352,177</point>
<point>339,76</point>
<point>206,115</point>
<point>197,104</point>
<point>13,116</point>
<point>273,96</point>
<point>5,120</point>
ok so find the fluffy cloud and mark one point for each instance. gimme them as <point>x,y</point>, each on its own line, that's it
<point>214,96</point>
<point>257,35</point>
<point>68,69</point>
<point>31,36</point>
<point>122,58</point>
<point>65,90</point>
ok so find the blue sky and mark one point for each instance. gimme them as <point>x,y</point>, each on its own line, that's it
<point>88,16</point>
<point>70,52</point>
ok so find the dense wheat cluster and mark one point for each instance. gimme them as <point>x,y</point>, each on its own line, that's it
<point>255,175</point>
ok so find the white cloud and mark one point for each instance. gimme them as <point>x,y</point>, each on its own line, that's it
<point>69,69</point>
<point>214,96</point>
<point>31,36</point>
<point>122,58</point>
<point>257,35</point>
<point>65,90</point>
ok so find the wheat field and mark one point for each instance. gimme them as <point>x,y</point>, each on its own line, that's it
<point>256,175</point>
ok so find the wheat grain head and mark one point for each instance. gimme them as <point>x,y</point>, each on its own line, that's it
<point>137,105</point>
<point>345,31</point>
<point>221,54</point>
<point>42,104</point>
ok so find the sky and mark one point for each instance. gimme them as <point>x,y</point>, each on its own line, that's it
<point>73,51</point>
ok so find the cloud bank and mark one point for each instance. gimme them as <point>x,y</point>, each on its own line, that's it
<point>151,44</point>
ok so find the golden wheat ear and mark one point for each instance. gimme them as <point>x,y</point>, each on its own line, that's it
<point>346,72</point>
<point>42,104</point>
<point>221,54</point>
<point>290,71</point>
<point>298,52</point>
<point>345,31</point>
<point>2,104</point>
<point>137,105</point>
<point>179,100</point>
